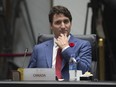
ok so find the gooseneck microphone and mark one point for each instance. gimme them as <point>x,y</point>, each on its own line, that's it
<point>26,50</point>
<point>18,74</point>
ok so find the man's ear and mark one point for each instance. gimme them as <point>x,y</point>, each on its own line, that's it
<point>51,29</point>
<point>50,25</point>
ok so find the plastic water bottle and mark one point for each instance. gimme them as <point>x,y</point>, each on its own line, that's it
<point>72,66</point>
<point>73,69</point>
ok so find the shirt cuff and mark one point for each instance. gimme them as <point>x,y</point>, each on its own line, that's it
<point>65,48</point>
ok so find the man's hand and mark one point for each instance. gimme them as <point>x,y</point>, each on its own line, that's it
<point>62,41</point>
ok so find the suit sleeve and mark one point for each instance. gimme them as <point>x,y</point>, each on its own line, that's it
<point>82,54</point>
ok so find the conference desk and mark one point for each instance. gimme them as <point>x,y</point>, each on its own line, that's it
<point>57,84</point>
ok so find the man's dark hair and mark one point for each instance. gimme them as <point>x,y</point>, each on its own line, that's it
<point>59,10</point>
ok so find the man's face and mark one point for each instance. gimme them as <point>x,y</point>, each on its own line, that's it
<point>60,24</point>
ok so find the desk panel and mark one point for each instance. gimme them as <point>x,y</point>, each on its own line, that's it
<point>56,84</point>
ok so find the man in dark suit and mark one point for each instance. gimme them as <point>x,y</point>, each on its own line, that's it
<point>44,54</point>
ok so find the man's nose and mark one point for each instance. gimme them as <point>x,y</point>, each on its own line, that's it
<point>62,25</point>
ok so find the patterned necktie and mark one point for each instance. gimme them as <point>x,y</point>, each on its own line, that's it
<point>58,64</point>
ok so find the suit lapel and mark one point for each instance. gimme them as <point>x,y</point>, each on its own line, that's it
<point>48,53</point>
<point>72,39</point>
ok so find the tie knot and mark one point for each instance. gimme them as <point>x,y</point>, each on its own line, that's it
<point>59,50</point>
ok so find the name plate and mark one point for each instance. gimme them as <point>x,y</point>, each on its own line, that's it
<point>39,74</point>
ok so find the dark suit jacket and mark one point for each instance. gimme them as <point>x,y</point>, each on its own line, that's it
<point>42,56</point>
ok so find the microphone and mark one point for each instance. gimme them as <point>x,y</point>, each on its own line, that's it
<point>17,75</point>
<point>26,50</point>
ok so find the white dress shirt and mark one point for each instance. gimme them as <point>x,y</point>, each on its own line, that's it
<point>55,48</point>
